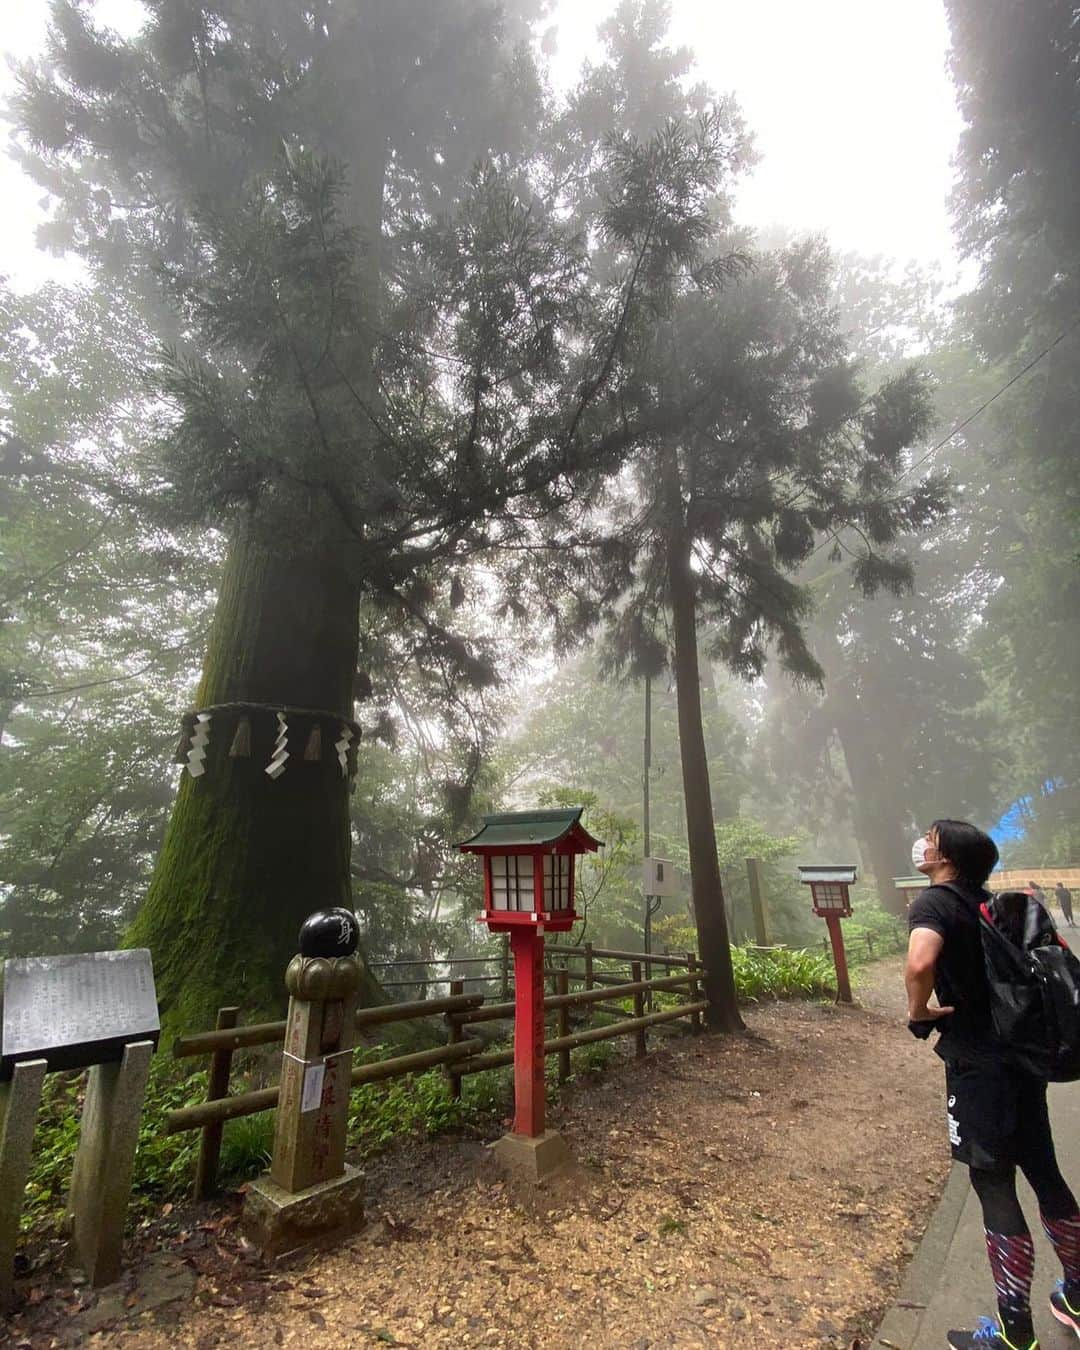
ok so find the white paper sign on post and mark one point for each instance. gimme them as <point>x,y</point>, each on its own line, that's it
<point>311,1096</point>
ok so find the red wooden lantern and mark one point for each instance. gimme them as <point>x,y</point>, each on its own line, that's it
<point>529,890</point>
<point>832,902</point>
<point>829,889</point>
<point>529,868</point>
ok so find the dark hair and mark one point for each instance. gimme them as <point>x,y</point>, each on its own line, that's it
<point>1034,885</point>
<point>973,853</point>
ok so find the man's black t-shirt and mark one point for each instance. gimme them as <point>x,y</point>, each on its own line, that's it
<point>959,976</point>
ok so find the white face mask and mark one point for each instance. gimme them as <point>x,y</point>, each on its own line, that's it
<point>918,851</point>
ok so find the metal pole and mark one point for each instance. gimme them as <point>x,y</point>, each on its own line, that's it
<point>646,766</point>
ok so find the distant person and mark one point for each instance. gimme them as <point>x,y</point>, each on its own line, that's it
<point>997,1114</point>
<point>1037,893</point>
<point>1064,898</point>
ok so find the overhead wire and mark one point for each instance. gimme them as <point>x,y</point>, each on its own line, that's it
<point>992,399</point>
<point>967,421</point>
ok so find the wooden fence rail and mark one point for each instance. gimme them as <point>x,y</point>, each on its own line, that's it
<point>273,1033</point>
<point>499,961</point>
<point>461,1055</point>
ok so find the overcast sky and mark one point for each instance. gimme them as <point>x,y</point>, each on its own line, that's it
<point>850,103</point>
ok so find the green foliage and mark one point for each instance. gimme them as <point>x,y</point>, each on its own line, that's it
<point>101,609</point>
<point>669,1225</point>
<point>607,883</point>
<point>783,972</point>
<point>488,1095</point>
<point>247,1145</point>
<point>777,972</point>
<point>785,899</point>
<point>164,1164</point>
<point>903,729</point>
<point>872,931</point>
<point>380,1112</point>
<point>590,1061</point>
<point>1018,213</point>
<point>582,717</point>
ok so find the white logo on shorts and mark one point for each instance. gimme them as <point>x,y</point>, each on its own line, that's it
<point>952,1102</point>
<point>954,1128</point>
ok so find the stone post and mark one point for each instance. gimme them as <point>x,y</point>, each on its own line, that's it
<point>758,903</point>
<point>19,1100</point>
<point>104,1161</point>
<point>311,1193</point>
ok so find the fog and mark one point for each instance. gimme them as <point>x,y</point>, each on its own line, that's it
<point>449,382</point>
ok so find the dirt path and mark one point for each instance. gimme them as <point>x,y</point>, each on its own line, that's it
<point>758,1191</point>
<point>880,987</point>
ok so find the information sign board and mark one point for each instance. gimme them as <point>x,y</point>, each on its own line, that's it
<point>74,1011</point>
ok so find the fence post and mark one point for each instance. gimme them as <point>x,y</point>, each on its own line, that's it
<point>563,1022</point>
<point>454,1079</point>
<point>640,1048</point>
<point>694,987</point>
<point>217,1087</point>
<point>505,967</point>
<point>588,966</point>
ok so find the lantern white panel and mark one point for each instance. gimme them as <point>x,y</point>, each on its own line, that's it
<point>556,881</point>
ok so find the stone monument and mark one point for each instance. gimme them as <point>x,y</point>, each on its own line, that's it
<point>311,1193</point>
<point>97,1010</point>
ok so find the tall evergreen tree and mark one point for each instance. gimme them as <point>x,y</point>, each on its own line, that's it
<point>1018,213</point>
<point>103,616</point>
<point>785,450</point>
<point>902,731</point>
<point>380,362</point>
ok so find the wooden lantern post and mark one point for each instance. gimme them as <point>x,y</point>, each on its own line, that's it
<point>529,891</point>
<point>831,902</point>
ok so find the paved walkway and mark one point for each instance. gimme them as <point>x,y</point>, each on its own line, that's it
<point>948,1283</point>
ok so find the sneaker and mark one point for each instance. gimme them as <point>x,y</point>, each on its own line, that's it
<point>1063,1309</point>
<point>988,1335</point>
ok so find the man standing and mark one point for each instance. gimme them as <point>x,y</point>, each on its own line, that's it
<point>1064,899</point>
<point>997,1113</point>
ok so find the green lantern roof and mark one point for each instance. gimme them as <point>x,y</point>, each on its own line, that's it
<point>532,829</point>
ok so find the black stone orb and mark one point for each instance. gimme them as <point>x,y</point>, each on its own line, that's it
<point>329,932</point>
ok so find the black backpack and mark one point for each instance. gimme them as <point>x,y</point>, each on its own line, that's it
<point>1034,984</point>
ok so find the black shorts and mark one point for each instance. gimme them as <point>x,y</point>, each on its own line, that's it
<point>995,1114</point>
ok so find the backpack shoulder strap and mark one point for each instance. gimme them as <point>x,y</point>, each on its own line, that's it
<point>973,899</point>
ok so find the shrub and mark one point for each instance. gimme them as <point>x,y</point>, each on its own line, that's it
<point>246,1146</point>
<point>782,972</point>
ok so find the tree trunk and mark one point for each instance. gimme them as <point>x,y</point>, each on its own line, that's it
<point>706,887</point>
<point>880,837</point>
<point>246,857</point>
<point>725,803</point>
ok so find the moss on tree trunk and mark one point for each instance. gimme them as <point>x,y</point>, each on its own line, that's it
<point>247,857</point>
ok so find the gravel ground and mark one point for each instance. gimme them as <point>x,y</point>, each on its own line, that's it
<point>763,1190</point>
